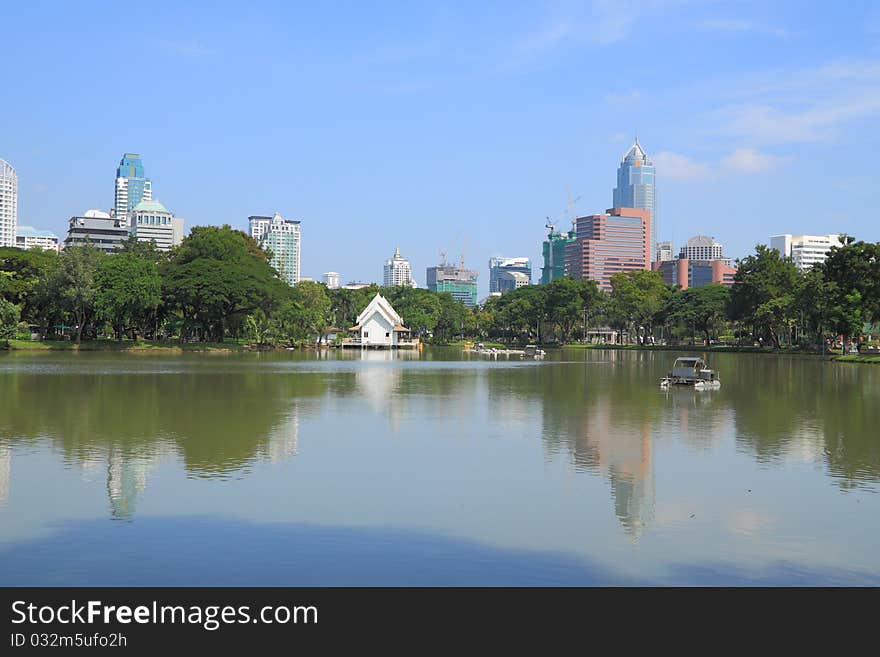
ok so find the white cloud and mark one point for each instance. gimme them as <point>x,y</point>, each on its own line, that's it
<point>546,38</point>
<point>748,160</point>
<point>798,106</point>
<point>675,166</point>
<point>805,123</point>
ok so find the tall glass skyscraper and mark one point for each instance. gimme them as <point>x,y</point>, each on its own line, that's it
<point>132,186</point>
<point>635,186</point>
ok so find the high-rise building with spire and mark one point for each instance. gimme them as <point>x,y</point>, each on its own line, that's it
<point>635,186</point>
<point>132,186</point>
<point>398,271</point>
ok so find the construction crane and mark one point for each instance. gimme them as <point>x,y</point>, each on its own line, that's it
<point>572,215</point>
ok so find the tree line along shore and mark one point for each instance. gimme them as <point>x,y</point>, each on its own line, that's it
<point>217,290</point>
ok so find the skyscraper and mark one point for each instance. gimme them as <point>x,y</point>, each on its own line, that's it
<point>8,204</point>
<point>635,186</point>
<point>131,185</point>
<point>282,237</point>
<point>609,243</point>
<point>397,271</point>
<point>498,266</point>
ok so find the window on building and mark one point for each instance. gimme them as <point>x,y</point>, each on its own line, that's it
<point>366,334</point>
<point>387,334</point>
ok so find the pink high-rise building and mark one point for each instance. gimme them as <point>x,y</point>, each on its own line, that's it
<point>609,243</point>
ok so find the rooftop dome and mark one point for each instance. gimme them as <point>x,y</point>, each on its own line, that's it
<point>150,206</point>
<point>702,240</point>
<point>96,214</point>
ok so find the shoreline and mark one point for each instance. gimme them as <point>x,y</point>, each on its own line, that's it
<point>125,346</point>
<point>239,347</point>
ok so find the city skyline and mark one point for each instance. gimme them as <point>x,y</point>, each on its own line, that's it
<point>762,127</point>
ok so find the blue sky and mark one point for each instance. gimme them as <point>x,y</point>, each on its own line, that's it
<point>454,126</point>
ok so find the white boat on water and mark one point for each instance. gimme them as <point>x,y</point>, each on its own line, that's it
<point>532,351</point>
<point>691,371</point>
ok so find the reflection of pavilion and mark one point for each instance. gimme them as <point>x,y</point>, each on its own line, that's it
<point>5,464</point>
<point>379,384</point>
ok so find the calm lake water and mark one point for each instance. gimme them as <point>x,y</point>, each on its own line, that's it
<point>438,468</point>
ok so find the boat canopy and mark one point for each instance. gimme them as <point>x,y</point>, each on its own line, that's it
<point>687,366</point>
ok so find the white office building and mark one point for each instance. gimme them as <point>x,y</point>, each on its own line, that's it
<point>398,271</point>
<point>151,221</point>
<point>701,247</point>
<point>8,204</point>
<point>331,280</point>
<point>804,250</point>
<point>282,237</point>
<point>499,266</point>
<point>27,237</point>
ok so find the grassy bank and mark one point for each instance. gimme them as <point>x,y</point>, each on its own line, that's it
<point>125,345</point>
<point>858,358</point>
<point>694,348</point>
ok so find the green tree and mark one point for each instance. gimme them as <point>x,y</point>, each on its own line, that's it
<point>701,308</point>
<point>312,306</point>
<point>9,316</point>
<point>637,298</point>
<point>129,292</point>
<point>29,280</point>
<point>519,313</point>
<point>452,318</point>
<point>569,301</point>
<point>763,293</point>
<point>216,276</point>
<point>77,285</point>
<point>852,275</point>
<point>420,308</point>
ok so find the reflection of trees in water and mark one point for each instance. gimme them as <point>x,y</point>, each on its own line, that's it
<point>215,421</point>
<point>811,410</point>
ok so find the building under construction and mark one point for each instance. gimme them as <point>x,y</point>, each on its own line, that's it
<point>554,254</point>
<point>461,283</point>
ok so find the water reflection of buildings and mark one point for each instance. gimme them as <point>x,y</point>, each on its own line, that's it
<point>5,464</point>
<point>281,442</point>
<point>601,438</point>
<point>127,478</point>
